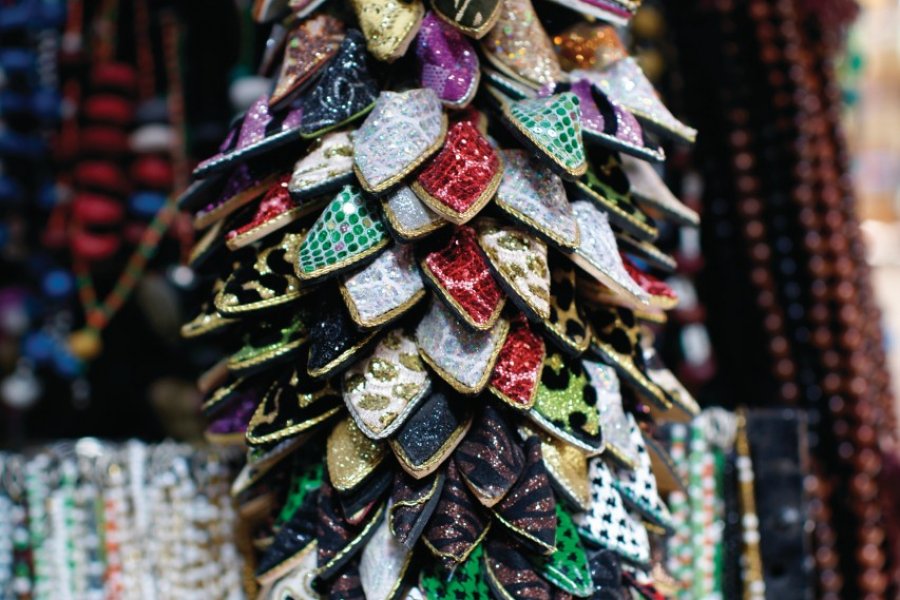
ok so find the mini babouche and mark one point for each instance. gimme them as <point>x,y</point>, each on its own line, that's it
<point>432,267</point>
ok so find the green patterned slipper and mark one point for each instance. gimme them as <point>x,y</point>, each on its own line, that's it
<point>466,583</point>
<point>269,344</point>
<point>347,234</point>
<point>568,567</point>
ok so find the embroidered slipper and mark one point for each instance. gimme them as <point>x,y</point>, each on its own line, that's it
<point>567,568</point>
<point>345,91</point>
<point>346,584</point>
<point>567,467</point>
<point>532,195</point>
<point>293,405</point>
<point>334,340</point>
<point>208,248</point>
<point>355,468</point>
<point>305,480</point>
<point>384,290</point>
<point>565,405</point>
<point>619,444</point>
<point>684,406</point>
<point>460,179</point>
<point>518,261</point>
<point>208,320</point>
<point>474,19</point>
<point>261,133</point>
<point>517,373</point>
<point>598,255</point>
<point>383,565</point>
<point>294,547</point>
<point>411,505</point>
<point>240,391</point>
<point>650,191</point>
<point>269,343</point>
<point>461,357</point>
<point>276,210</point>
<point>501,87</point>
<point>566,327</point>
<point>407,217</point>
<point>617,341</point>
<point>458,524</point>
<point>510,574</point>
<point>430,434</point>
<point>606,123</point>
<point>338,540</point>
<point>229,428</point>
<point>267,282</point>
<point>347,234</point>
<point>199,193</point>
<point>489,459</point>
<point>645,251</point>
<point>311,44</point>
<point>624,82</point>
<point>610,193</point>
<point>608,524</point>
<point>261,462</point>
<point>246,183</point>
<point>460,276</point>
<point>528,510</point>
<point>389,25</point>
<point>466,582</point>
<point>326,168</point>
<point>448,63</point>
<point>519,47</point>
<point>402,131</point>
<point>638,487</point>
<point>381,391</point>
<point>661,296</point>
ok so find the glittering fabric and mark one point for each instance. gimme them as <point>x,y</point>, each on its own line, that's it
<point>519,46</point>
<point>462,177</point>
<point>474,18</point>
<point>382,564</point>
<point>344,92</point>
<point>638,486</point>
<point>400,133</point>
<point>607,187</point>
<point>652,285</point>
<point>383,389</point>
<point>648,188</point>
<point>532,194</point>
<point>615,425</point>
<point>609,122</point>
<point>519,260</point>
<point>553,125</point>
<point>606,571</point>
<point>310,45</point>
<point>568,567</point>
<point>408,217</point>
<point>389,25</point>
<point>518,369</point>
<point>430,434</point>
<point>468,581</point>
<point>348,231</point>
<point>351,456</point>
<point>528,511</point>
<point>384,289</point>
<point>490,459</point>
<point>586,45</point>
<point>347,585</point>
<point>607,522</point>
<point>338,541</point>
<point>566,405</point>
<point>448,63</point>
<point>599,254</point>
<point>253,128</point>
<point>334,340</point>
<point>463,278</point>
<point>568,470</point>
<point>458,523</point>
<point>566,325</point>
<point>236,417</point>
<point>411,505</point>
<point>270,341</point>
<point>328,165</point>
<point>624,82</point>
<point>275,205</point>
<point>242,179</point>
<point>510,571</point>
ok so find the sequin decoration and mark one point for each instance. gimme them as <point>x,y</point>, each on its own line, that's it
<point>566,326</point>
<point>347,232</point>
<point>490,459</point>
<point>638,486</point>
<point>384,388</point>
<point>568,567</point>
<point>462,278</point>
<point>598,254</point>
<point>276,209</point>
<point>389,25</point>
<point>511,575</point>
<point>351,456</point>
<point>458,524</point>
<point>534,196</point>
<point>310,45</point>
<point>407,217</point>
<point>385,289</point>
<point>607,187</point>
<point>243,186</point>
<point>552,125</point>
<point>566,405</point>
<point>461,357</point>
<point>520,48</point>
<point>328,166</point>
<point>615,425</point>
<point>518,369</point>
<point>345,91</point>
<point>519,261</point>
<point>466,583</point>
<point>431,434</point>
<point>447,62</point>
<point>400,133</point>
<point>567,467</point>
<point>458,182</point>
<point>383,563</point>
